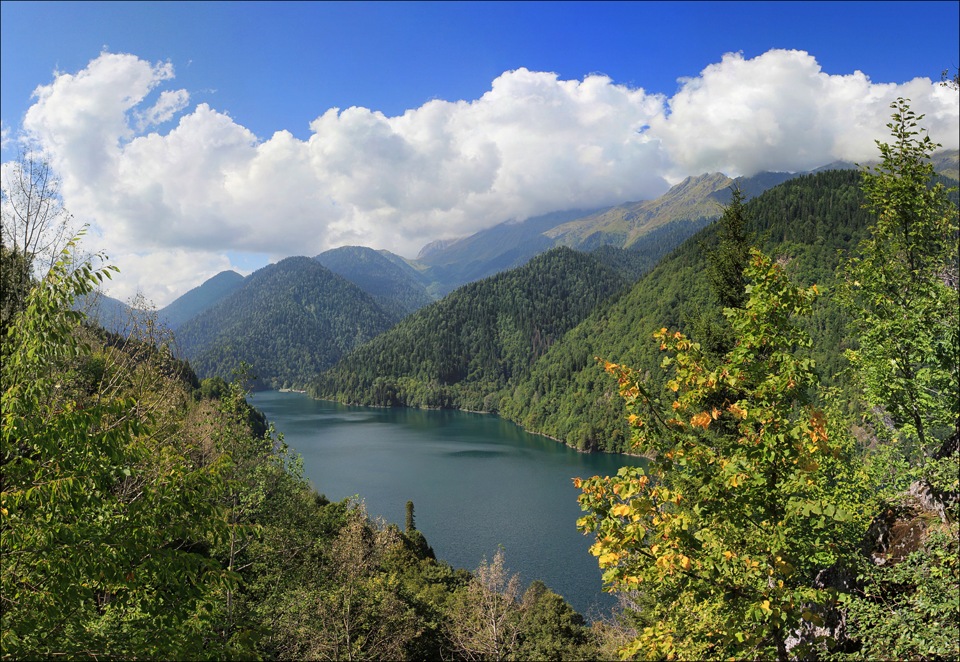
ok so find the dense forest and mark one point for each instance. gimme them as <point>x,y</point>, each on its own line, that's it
<point>461,351</point>
<point>806,221</point>
<point>792,373</point>
<point>287,320</point>
<point>148,514</point>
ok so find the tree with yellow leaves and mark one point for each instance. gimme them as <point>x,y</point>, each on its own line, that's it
<point>723,532</point>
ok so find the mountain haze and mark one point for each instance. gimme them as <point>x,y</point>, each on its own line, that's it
<point>112,314</point>
<point>505,246</point>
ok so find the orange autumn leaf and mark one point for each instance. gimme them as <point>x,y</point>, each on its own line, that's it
<point>701,420</point>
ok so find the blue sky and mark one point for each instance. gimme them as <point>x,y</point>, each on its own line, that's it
<point>628,97</point>
<point>276,65</point>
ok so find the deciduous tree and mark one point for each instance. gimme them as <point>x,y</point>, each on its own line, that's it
<point>34,221</point>
<point>101,520</point>
<point>901,291</point>
<point>485,615</point>
<point>725,527</point>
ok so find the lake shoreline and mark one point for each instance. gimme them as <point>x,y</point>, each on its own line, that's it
<point>471,411</point>
<point>478,482</point>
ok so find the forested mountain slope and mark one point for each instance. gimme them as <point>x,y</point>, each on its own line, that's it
<point>289,321</point>
<point>806,221</point>
<point>200,298</point>
<point>394,284</point>
<point>460,351</point>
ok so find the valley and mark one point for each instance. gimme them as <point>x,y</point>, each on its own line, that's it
<point>480,331</point>
<point>521,343</point>
<point>565,342</point>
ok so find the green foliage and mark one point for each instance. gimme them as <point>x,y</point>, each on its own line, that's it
<point>551,629</point>
<point>103,517</point>
<point>727,261</point>
<point>410,524</point>
<point>147,514</point>
<point>725,271</point>
<point>461,351</point>
<point>901,290</point>
<point>909,610</point>
<point>488,619</point>
<point>735,511</point>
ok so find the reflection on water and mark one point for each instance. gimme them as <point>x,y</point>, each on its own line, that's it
<point>477,482</point>
<point>476,453</point>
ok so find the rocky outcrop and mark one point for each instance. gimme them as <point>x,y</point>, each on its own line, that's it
<point>900,529</point>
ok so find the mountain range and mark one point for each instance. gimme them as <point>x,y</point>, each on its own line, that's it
<point>286,320</point>
<point>461,351</point>
<point>296,318</point>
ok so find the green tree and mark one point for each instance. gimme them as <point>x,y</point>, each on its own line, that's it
<point>410,523</point>
<point>551,629</point>
<point>725,265</point>
<point>103,520</point>
<point>901,292</point>
<point>726,262</point>
<point>734,513</point>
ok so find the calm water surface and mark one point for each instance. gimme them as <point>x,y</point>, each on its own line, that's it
<point>476,481</point>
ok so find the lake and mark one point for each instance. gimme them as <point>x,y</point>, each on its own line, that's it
<point>477,482</point>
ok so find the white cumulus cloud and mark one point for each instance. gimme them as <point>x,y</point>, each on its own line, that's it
<point>780,111</point>
<point>168,204</point>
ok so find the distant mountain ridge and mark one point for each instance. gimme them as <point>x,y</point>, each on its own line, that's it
<point>200,298</point>
<point>696,201</point>
<point>394,284</point>
<point>504,246</point>
<point>288,321</point>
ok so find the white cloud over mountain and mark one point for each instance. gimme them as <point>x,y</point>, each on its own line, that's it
<point>167,204</point>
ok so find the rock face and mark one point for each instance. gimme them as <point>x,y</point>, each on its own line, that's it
<point>807,642</point>
<point>898,531</point>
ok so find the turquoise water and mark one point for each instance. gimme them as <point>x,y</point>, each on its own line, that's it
<point>477,482</point>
